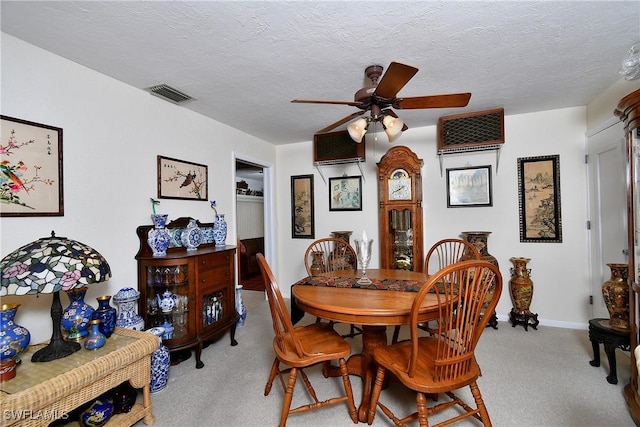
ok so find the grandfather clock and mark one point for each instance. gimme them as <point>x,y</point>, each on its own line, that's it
<point>400,209</point>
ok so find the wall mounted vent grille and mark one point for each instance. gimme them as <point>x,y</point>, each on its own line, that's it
<point>168,93</point>
<point>471,131</point>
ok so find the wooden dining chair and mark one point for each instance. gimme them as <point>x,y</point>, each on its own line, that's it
<point>301,347</point>
<point>445,361</point>
<point>442,254</point>
<point>331,254</point>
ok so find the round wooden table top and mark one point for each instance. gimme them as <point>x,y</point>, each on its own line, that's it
<point>371,307</point>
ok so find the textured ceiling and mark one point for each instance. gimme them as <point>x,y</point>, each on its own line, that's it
<point>245,61</point>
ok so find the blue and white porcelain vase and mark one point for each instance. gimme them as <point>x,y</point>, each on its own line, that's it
<point>95,339</point>
<point>191,236</point>
<point>158,237</point>
<point>106,314</point>
<point>127,298</point>
<point>220,230</point>
<point>240,307</point>
<point>76,317</point>
<point>160,363</point>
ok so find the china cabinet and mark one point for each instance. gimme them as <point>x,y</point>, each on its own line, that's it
<point>628,111</point>
<point>400,209</point>
<point>188,292</point>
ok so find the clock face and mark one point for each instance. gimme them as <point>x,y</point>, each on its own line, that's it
<point>399,185</point>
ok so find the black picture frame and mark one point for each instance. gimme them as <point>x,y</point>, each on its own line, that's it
<point>345,193</point>
<point>539,199</point>
<point>302,207</point>
<point>31,155</point>
<point>469,187</point>
<point>179,179</point>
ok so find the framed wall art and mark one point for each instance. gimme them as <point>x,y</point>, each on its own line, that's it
<point>539,199</point>
<point>469,187</point>
<point>31,166</point>
<point>345,193</point>
<point>178,179</point>
<point>302,219</point>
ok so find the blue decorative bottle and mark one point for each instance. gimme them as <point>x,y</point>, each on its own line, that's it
<point>76,317</point>
<point>220,230</point>
<point>96,339</point>
<point>160,363</point>
<point>106,314</point>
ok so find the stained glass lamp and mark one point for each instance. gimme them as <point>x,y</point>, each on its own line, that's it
<point>48,266</point>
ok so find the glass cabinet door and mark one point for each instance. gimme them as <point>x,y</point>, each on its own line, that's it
<point>401,230</point>
<point>635,165</point>
<point>167,295</point>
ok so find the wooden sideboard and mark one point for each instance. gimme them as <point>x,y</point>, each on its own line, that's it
<point>44,391</point>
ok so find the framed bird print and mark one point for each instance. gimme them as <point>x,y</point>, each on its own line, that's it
<point>179,179</point>
<point>30,169</point>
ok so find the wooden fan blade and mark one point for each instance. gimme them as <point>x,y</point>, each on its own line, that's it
<point>393,114</point>
<point>341,121</point>
<point>394,79</point>
<point>433,101</point>
<point>315,101</point>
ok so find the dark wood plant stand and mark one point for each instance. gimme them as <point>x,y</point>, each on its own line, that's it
<point>601,332</point>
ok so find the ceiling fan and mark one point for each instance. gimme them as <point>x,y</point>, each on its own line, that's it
<point>380,97</point>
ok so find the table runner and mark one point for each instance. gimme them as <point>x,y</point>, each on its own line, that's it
<point>350,282</point>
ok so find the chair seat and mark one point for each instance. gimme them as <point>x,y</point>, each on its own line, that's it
<point>319,342</point>
<point>395,359</point>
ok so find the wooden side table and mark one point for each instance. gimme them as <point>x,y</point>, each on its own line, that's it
<point>601,332</point>
<point>44,391</point>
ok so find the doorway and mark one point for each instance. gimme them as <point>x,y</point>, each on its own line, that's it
<point>607,208</point>
<point>250,222</point>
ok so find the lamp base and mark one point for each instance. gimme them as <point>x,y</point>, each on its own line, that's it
<point>55,350</point>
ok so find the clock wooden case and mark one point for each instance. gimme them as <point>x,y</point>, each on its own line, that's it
<point>400,209</point>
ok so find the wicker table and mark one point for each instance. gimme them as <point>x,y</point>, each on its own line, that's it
<point>42,392</point>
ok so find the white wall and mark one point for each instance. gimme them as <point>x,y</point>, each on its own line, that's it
<point>112,135</point>
<point>559,270</point>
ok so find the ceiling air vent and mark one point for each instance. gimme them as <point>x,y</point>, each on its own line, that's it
<point>168,93</point>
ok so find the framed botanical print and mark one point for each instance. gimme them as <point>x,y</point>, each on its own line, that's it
<point>179,179</point>
<point>539,199</point>
<point>31,169</point>
<point>345,193</point>
<point>302,215</point>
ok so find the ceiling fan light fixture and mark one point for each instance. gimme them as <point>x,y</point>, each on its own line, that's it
<point>357,129</point>
<point>392,127</point>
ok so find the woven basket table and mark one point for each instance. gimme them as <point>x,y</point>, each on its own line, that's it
<point>44,391</point>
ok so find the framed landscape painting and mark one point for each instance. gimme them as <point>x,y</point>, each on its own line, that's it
<point>345,193</point>
<point>302,215</point>
<point>539,199</point>
<point>31,166</point>
<point>469,187</point>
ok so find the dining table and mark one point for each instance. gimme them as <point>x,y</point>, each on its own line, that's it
<point>386,301</point>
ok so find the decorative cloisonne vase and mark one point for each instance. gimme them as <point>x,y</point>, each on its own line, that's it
<point>615,292</point>
<point>240,307</point>
<point>480,240</point>
<point>76,317</point>
<point>106,314</point>
<point>95,339</point>
<point>220,230</point>
<point>98,413</point>
<point>191,237</point>
<point>158,237</point>
<point>13,340</point>
<point>160,363</point>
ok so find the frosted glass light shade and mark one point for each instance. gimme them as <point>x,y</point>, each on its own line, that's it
<point>392,127</point>
<point>357,129</point>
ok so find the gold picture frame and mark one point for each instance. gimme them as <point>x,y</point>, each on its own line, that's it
<point>31,169</point>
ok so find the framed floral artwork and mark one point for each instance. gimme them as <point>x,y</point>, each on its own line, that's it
<point>539,199</point>
<point>30,169</point>
<point>302,215</point>
<point>179,179</point>
<point>345,193</point>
